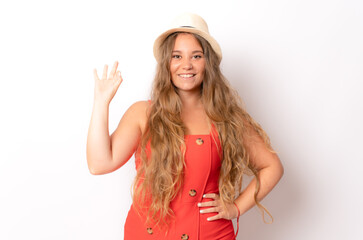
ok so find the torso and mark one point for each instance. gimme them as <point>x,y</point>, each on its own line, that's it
<point>202,168</point>
<point>194,118</point>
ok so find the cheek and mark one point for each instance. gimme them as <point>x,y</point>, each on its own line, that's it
<point>173,67</point>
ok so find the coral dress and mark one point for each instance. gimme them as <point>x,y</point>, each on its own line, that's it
<point>201,176</point>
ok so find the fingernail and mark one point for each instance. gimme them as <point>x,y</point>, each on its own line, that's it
<point>201,211</point>
<point>208,219</point>
<point>204,195</point>
<point>199,204</point>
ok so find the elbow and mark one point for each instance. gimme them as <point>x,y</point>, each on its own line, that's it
<point>94,171</point>
<point>98,165</point>
<point>280,170</point>
<point>98,170</point>
<point>276,169</point>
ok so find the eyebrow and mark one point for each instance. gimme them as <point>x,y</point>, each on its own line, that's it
<point>195,51</point>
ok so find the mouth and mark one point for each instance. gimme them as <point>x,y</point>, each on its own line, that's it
<point>186,75</point>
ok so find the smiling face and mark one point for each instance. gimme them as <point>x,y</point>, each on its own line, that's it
<point>187,64</point>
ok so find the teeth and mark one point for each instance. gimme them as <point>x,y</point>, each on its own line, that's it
<point>186,75</point>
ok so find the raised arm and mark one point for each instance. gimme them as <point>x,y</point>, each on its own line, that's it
<point>107,153</point>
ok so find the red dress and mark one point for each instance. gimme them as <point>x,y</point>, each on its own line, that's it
<point>201,176</point>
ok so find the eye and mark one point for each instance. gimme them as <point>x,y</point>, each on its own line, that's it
<point>197,56</point>
<point>176,56</point>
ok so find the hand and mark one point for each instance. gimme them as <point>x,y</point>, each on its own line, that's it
<point>106,88</point>
<point>228,212</point>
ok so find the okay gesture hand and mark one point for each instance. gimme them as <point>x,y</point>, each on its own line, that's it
<point>106,87</point>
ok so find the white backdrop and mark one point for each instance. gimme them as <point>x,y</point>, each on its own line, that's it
<point>298,65</point>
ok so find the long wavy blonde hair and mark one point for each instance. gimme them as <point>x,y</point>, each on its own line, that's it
<point>160,172</point>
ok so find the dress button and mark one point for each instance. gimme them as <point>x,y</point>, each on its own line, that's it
<point>192,192</point>
<point>149,230</point>
<point>199,141</point>
<point>185,236</point>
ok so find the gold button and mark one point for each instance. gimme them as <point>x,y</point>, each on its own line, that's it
<point>149,230</point>
<point>192,192</point>
<point>199,141</point>
<point>185,236</point>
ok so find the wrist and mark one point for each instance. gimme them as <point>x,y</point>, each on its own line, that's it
<point>237,219</point>
<point>238,211</point>
<point>99,103</point>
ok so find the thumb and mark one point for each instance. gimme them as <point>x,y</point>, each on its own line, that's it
<point>119,77</point>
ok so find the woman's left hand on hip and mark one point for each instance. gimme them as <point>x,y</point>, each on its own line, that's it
<point>229,211</point>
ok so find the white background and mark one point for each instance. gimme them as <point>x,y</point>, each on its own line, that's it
<point>298,65</point>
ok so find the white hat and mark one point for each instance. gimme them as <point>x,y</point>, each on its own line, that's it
<point>191,23</point>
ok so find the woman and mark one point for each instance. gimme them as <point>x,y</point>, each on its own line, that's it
<point>192,142</point>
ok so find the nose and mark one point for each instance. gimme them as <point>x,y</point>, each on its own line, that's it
<point>187,64</point>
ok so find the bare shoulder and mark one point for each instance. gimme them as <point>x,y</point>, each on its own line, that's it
<point>139,112</point>
<point>140,105</point>
<point>140,108</point>
<point>131,126</point>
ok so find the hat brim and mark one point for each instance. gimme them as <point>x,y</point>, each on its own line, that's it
<point>159,41</point>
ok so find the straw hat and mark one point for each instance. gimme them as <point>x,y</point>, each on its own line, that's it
<point>191,23</point>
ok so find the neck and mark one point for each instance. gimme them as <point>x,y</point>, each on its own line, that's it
<point>190,98</point>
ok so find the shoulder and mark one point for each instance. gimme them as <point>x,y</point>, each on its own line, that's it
<point>139,105</point>
<point>139,111</point>
<point>140,108</point>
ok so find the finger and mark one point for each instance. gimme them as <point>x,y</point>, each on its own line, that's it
<point>119,77</point>
<point>207,204</point>
<point>210,210</point>
<point>95,74</point>
<point>114,68</point>
<point>211,195</point>
<point>104,75</point>
<point>215,217</point>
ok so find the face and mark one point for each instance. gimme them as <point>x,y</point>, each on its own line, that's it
<point>187,64</point>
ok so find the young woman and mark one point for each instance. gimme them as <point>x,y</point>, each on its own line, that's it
<point>193,142</point>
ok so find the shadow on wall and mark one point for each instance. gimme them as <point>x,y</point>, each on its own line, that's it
<point>285,200</point>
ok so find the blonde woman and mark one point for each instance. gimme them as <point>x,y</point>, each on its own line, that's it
<point>192,141</point>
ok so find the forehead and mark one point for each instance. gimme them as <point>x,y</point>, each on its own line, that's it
<point>186,41</point>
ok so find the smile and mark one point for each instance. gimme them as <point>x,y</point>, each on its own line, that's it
<point>186,75</point>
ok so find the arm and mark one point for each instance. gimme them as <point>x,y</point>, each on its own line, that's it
<point>270,171</point>
<point>107,153</point>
